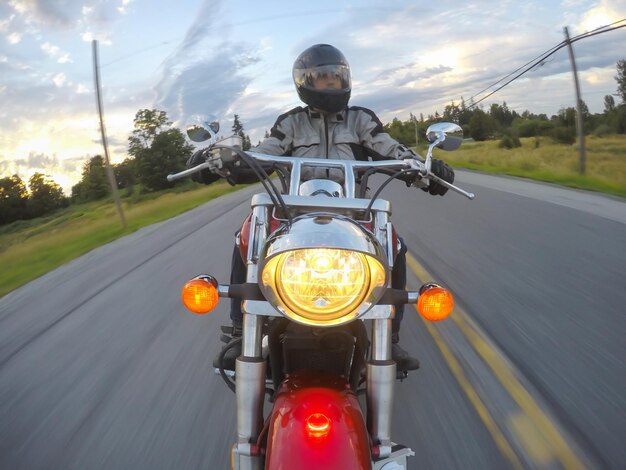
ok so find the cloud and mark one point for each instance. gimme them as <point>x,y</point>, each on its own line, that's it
<point>41,161</point>
<point>54,52</point>
<point>197,80</point>
<point>33,16</point>
<point>14,38</point>
<point>63,172</point>
<point>57,13</point>
<point>213,84</point>
<point>59,80</point>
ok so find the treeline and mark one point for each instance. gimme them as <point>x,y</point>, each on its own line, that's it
<point>17,203</point>
<point>155,150</point>
<point>499,122</point>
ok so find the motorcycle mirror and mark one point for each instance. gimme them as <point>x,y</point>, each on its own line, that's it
<point>447,135</point>
<point>199,129</point>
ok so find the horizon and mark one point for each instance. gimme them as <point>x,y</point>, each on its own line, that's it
<point>223,58</point>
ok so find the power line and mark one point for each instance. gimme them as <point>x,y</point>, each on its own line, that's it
<point>514,71</point>
<point>542,57</point>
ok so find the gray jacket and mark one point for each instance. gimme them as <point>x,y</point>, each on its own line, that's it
<point>353,134</point>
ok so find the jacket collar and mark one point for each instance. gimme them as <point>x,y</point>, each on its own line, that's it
<point>332,117</point>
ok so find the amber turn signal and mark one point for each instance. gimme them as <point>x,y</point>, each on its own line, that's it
<point>435,303</point>
<point>200,295</point>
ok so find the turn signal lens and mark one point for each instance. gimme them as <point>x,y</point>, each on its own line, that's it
<point>200,295</point>
<point>317,425</point>
<point>435,303</point>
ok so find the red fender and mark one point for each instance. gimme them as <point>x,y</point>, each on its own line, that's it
<point>316,422</point>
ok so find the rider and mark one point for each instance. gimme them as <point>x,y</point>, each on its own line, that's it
<point>329,128</point>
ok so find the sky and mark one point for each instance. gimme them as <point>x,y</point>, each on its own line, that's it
<point>218,57</point>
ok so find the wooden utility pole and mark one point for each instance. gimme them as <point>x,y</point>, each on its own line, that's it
<point>579,102</point>
<point>110,174</point>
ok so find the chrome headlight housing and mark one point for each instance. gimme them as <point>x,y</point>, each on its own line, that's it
<point>323,270</point>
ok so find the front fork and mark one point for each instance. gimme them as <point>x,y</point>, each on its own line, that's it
<point>250,381</point>
<point>381,379</point>
<point>381,369</point>
<point>250,366</point>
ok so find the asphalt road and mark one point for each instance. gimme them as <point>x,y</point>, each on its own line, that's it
<point>100,367</point>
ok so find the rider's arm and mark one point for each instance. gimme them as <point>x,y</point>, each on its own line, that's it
<point>280,140</point>
<point>381,146</point>
<point>378,143</point>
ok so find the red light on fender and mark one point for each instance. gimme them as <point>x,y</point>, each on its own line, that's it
<point>200,295</point>
<point>435,303</point>
<point>317,425</point>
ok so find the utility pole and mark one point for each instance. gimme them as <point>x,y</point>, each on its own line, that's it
<point>110,174</point>
<point>579,113</point>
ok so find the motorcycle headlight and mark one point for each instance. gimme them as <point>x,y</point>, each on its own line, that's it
<point>328,284</point>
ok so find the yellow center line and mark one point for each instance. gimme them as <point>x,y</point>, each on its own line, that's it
<point>493,429</point>
<point>521,396</point>
<point>508,380</point>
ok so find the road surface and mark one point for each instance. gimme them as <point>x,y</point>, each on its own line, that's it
<point>100,366</point>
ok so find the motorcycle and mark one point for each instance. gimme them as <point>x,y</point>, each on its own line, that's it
<point>319,256</point>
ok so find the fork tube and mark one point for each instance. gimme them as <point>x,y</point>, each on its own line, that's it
<point>381,340</point>
<point>250,366</point>
<point>381,376</point>
<point>381,370</point>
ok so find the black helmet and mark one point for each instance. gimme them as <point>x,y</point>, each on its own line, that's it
<point>319,61</point>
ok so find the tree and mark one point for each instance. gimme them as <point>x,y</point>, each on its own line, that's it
<point>93,184</point>
<point>502,114</point>
<point>124,174</point>
<point>45,196</point>
<point>238,130</point>
<point>482,126</point>
<point>148,123</point>
<point>609,104</point>
<point>567,117</point>
<point>621,79</point>
<point>403,132</point>
<point>13,199</point>
<point>157,151</point>
<point>452,112</point>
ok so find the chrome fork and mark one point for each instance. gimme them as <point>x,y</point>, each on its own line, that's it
<point>250,366</point>
<point>381,369</point>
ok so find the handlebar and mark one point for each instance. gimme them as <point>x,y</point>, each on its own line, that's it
<point>349,167</point>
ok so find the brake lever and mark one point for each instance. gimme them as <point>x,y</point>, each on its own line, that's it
<point>190,171</point>
<point>426,173</point>
<point>443,182</point>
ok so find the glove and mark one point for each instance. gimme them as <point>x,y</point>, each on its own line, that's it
<point>204,176</point>
<point>443,171</point>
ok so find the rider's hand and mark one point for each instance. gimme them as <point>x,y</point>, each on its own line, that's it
<point>203,176</point>
<point>443,171</point>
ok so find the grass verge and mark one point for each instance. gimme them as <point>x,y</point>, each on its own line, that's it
<point>29,249</point>
<point>543,160</point>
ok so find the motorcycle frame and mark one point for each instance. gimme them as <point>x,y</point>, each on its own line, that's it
<point>250,366</point>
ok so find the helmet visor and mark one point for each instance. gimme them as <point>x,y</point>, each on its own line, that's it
<point>335,76</point>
